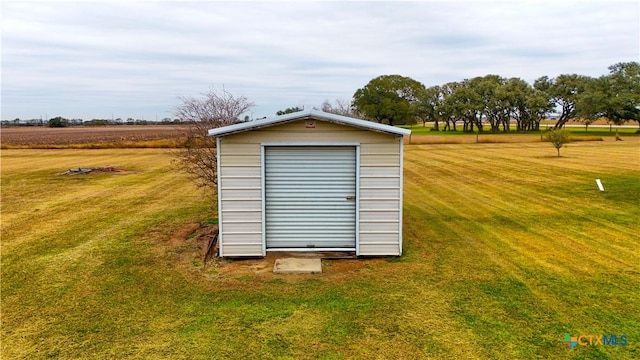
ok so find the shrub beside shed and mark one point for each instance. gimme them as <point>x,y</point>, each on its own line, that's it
<point>309,181</point>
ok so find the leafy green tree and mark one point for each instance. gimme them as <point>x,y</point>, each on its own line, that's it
<point>538,106</point>
<point>594,102</point>
<point>615,96</point>
<point>289,110</point>
<point>558,137</point>
<point>564,93</point>
<point>389,98</point>
<point>493,101</point>
<point>448,109</point>
<point>518,92</point>
<point>588,121</point>
<point>466,104</point>
<point>58,122</point>
<point>527,106</point>
<point>429,106</point>
<point>624,102</point>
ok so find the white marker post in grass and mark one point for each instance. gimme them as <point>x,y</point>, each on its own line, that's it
<point>599,184</point>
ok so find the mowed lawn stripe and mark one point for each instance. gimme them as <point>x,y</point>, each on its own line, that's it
<point>560,243</point>
<point>516,205</point>
<point>497,200</point>
<point>74,202</point>
<point>92,201</point>
<point>79,225</point>
<point>40,178</point>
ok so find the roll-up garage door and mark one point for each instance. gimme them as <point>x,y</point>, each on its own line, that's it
<point>310,197</point>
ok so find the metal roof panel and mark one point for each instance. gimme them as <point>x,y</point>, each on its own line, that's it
<point>307,114</point>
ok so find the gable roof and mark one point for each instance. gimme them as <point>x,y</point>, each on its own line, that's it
<point>307,114</point>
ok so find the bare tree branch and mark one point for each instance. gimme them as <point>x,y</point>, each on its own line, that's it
<point>197,156</point>
<point>341,107</point>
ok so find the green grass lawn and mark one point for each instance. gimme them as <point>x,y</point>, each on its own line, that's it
<point>575,130</point>
<point>507,248</point>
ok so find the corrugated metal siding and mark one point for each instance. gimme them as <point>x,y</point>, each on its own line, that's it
<point>380,198</point>
<point>240,194</point>
<point>310,197</point>
<point>380,183</point>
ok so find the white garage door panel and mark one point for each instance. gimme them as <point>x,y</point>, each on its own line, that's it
<point>310,197</point>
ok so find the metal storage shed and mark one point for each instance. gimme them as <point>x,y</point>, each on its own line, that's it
<point>309,181</point>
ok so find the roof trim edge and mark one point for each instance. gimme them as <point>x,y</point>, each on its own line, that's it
<point>314,114</point>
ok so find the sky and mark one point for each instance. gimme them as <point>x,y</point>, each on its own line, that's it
<point>136,59</point>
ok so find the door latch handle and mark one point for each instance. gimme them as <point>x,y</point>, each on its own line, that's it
<point>351,197</point>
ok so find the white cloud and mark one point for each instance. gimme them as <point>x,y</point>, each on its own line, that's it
<point>91,59</point>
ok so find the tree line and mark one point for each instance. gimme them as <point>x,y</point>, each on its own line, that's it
<point>60,121</point>
<point>491,102</point>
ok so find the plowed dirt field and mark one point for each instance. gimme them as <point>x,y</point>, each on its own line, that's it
<point>80,135</point>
